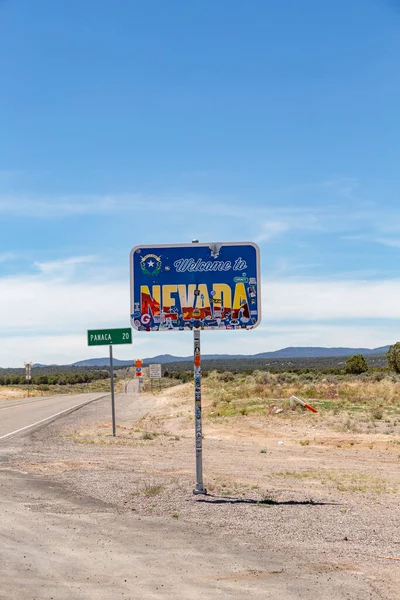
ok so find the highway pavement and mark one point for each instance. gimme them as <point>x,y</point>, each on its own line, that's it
<point>23,414</point>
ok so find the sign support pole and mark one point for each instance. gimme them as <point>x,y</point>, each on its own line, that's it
<point>207,274</point>
<point>197,414</point>
<point>112,392</point>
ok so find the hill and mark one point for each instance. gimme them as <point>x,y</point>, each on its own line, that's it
<point>319,352</point>
<point>103,362</point>
<point>289,353</point>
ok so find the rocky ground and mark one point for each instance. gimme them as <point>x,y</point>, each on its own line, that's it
<point>290,483</point>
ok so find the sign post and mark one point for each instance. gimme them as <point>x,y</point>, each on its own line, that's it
<point>155,372</point>
<point>109,337</point>
<point>199,489</point>
<point>139,373</point>
<point>28,376</point>
<point>112,392</point>
<point>194,287</point>
<point>198,426</point>
<point>28,369</point>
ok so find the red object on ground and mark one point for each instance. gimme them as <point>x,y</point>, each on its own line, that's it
<point>310,408</point>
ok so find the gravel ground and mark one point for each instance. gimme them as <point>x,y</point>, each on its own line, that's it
<point>338,506</point>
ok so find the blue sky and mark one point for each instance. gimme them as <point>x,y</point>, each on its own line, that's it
<point>127,123</point>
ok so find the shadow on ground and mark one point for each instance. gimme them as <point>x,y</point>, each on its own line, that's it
<point>210,499</point>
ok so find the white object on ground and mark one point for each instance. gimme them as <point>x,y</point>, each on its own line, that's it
<point>294,399</point>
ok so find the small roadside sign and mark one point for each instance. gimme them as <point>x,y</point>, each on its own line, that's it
<point>138,365</point>
<point>110,337</point>
<point>28,372</point>
<point>106,337</point>
<point>155,371</point>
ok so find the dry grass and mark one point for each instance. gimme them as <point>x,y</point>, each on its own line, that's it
<point>23,391</point>
<point>343,481</point>
<point>15,392</point>
<point>151,489</point>
<point>263,385</point>
<point>362,404</point>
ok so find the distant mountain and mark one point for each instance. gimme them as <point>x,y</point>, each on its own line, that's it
<point>168,358</point>
<point>103,362</point>
<point>290,352</point>
<point>317,352</point>
<point>164,358</point>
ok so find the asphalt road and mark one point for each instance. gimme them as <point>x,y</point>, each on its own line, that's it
<point>25,413</point>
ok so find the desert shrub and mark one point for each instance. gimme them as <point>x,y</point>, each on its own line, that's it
<point>227,377</point>
<point>377,412</point>
<point>393,357</point>
<point>355,365</point>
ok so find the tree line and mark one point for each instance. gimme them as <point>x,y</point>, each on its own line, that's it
<point>55,378</point>
<point>355,365</point>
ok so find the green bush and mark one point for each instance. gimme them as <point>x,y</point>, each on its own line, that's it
<point>393,357</point>
<point>356,365</point>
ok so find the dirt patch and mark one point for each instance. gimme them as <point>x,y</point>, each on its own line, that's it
<point>289,481</point>
<point>11,394</point>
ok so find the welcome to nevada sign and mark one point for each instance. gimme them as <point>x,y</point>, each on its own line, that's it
<point>185,286</point>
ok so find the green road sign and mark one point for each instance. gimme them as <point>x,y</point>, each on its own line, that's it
<point>105,337</point>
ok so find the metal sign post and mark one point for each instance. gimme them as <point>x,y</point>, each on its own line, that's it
<point>28,367</point>
<point>139,373</point>
<point>197,414</point>
<point>108,337</point>
<point>28,376</point>
<point>112,392</point>
<point>155,372</point>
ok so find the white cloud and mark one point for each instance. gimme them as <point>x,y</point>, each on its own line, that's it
<point>44,349</point>
<point>271,229</point>
<point>392,243</point>
<point>65,349</point>
<point>7,256</point>
<point>318,208</point>
<point>45,316</point>
<point>66,206</point>
<point>36,303</point>
<point>47,303</point>
<point>338,186</point>
<point>56,207</point>
<point>64,267</point>
<point>324,300</point>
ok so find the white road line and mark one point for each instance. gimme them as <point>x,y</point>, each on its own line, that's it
<point>3,437</point>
